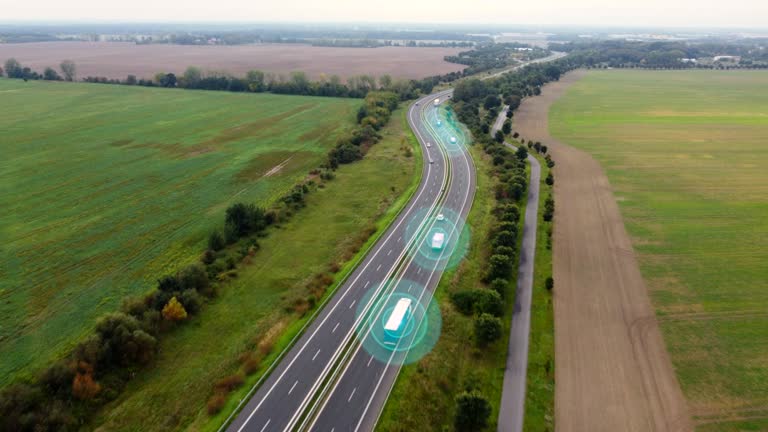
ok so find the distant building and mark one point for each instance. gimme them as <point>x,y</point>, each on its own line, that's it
<point>727,58</point>
<point>689,60</point>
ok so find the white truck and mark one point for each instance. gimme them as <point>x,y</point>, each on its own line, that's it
<point>397,321</point>
<point>437,102</point>
<point>438,239</point>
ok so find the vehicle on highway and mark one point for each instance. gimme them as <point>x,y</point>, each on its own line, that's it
<point>431,161</point>
<point>440,217</point>
<point>438,239</point>
<point>437,102</point>
<point>397,321</point>
<point>439,122</point>
<point>429,145</point>
<point>453,140</point>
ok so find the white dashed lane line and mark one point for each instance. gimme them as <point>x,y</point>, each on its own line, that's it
<point>351,394</point>
<point>293,387</point>
<point>335,327</point>
<point>315,356</point>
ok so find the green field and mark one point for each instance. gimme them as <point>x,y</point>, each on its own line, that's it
<point>105,188</point>
<point>687,155</point>
<point>256,306</point>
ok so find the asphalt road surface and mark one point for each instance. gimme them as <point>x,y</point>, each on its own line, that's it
<point>512,408</point>
<point>297,392</point>
<point>554,56</point>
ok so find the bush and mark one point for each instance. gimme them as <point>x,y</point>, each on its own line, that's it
<point>193,277</point>
<point>549,283</point>
<point>174,311</point>
<point>500,286</point>
<point>487,329</point>
<point>464,301</point>
<point>489,302</point>
<point>229,383</point>
<point>216,403</point>
<point>499,266</point>
<point>472,412</point>
<point>216,241</point>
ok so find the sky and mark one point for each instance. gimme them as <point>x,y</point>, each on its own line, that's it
<point>636,13</point>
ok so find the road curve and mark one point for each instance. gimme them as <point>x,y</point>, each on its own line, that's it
<point>280,400</point>
<point>512,408</point>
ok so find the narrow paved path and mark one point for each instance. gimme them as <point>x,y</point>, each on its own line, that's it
<point>512,409</point>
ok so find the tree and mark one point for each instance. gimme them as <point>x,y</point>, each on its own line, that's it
<point>255,81</point>
<point>472,412</point>
<point>192,77</point>
<point>550,180</point>
<point>2,72</point>
<point>521,153</point>
<point>549,283</point>
<point>507,128</point>
<point>174,311</point>
<point>50,75</point>
<point>498,266</point>
<point>131,80</point>
<point>385,81</point>
<point>193,277</point>
<point>487,329</point>
<point>245,218</point>
<point>68,69</point>
<point>489,302</point>
<point>13,68</point>
<point>216,241</point>
<point>499,136</point>
<point>168,80</point>
<point>84,387</point>
<point>491,101</point>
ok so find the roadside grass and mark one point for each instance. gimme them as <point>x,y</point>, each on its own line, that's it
<point>423,396</point>
<point>686,154</point>
<point>106,188</point>
<point>255,310</point>
<point>540,379</point>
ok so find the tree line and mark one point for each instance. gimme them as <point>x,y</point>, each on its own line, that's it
<point>14,69</point>
<point>122,343</point>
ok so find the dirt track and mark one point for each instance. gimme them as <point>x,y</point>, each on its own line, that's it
<point>612,370</point>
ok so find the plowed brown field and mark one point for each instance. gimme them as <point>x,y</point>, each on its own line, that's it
<point>118,59</point>
<point>612,370</point>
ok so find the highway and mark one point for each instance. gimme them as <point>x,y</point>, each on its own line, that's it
<point>512,408</point>
<point>552,57</point>
<point>327,370</point>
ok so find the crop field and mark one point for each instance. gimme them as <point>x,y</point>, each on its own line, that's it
<point>118,59</point>
<point>686,153</point>
<point>106,188</point>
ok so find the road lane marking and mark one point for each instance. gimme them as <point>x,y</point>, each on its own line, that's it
<point>400,238</point>
<point>366,284</point>
<point>352,304</point>
<point>378,268</point>
<point>265,425</point>
<point>389,253</point>
<point>335,327</point>
<point>315,356</point>
<point>409,287</point>
<point>369,361</point>
<point>351,394</point>
<point>293,387</point>
<point>418,271</point>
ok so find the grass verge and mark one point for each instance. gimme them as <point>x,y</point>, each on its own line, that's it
<point>540,381</point>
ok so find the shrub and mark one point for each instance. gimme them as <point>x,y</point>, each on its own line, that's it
<point>500,285</point>
<point>487,329</point>
<point>216,403</point>
<point>193,277</point>
<point>216,241</point>
<point>84,387</point>
<point>549,283</point>
<point>229,383</point>
<point>488,302</point>
<point>464,301</point>
<point>472,412</point>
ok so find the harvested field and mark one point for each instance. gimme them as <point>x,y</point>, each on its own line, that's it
<point>612,370</point>
<point>685,151</point>
<point>118,59</point>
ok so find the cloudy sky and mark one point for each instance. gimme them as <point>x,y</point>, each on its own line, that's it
<point>688,13</point>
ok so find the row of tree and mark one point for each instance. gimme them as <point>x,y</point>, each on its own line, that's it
<point>14,69</point>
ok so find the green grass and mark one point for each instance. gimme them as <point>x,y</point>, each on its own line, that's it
<point>540,378</point>
<point>106,188</point>
<point>687,155</point>
<point>257,305</point>
<point>455,363</point>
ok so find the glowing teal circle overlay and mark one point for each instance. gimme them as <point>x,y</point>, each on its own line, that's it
<point>422,329</point>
